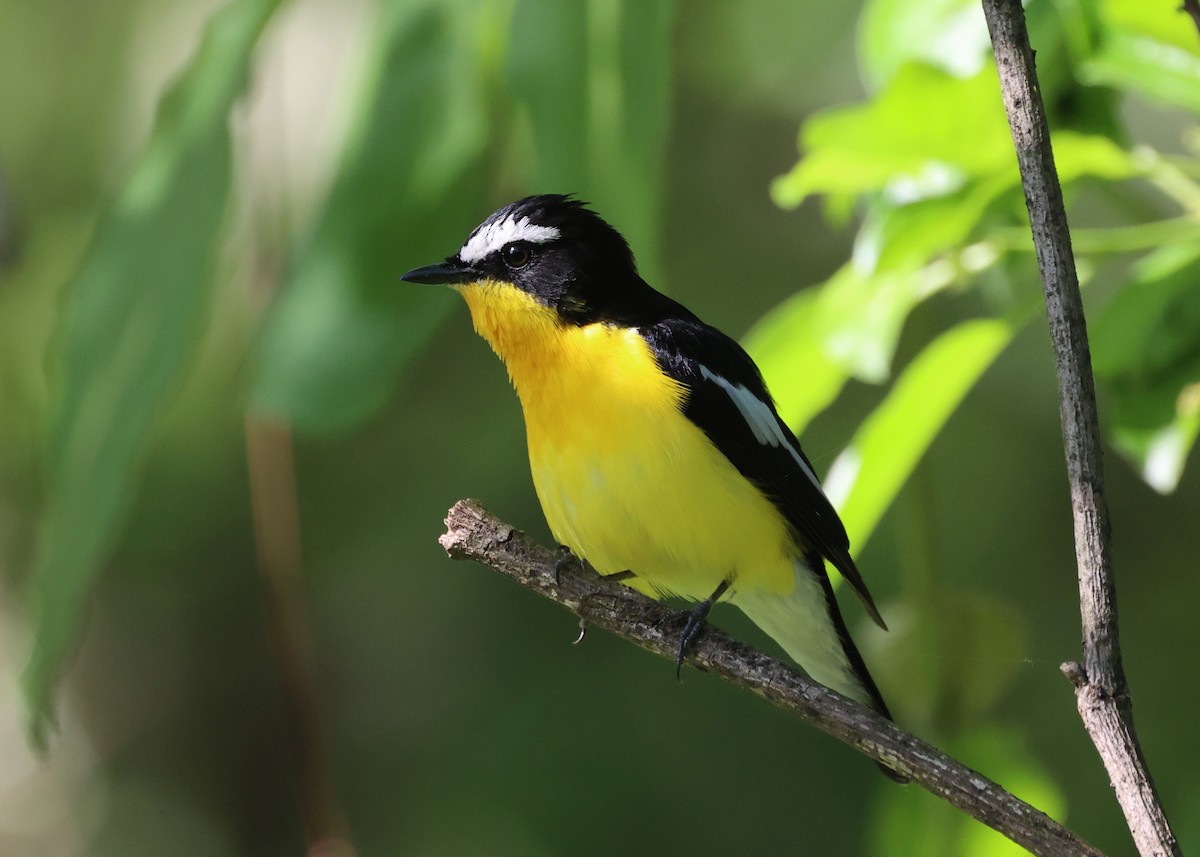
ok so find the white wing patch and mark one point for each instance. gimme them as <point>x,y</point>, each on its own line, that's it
<point>490,237</point>
<point>760,419</point>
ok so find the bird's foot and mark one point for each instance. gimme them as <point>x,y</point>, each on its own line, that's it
<point>693,625</point>
<point>619,575</point>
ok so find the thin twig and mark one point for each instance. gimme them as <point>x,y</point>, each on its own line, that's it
<point>474,533</point>
<point>1101,689</point>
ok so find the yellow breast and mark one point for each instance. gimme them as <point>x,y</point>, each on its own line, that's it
<point>624,478</point>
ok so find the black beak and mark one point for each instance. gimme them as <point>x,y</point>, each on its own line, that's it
<point>444,273</point>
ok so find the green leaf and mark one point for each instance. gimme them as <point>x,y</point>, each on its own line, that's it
<point>787,344</point>
<point>1163,72</point>
<point>134,316</point>
<point>948,34</point>
<point>862,314</point>
<point>909,235</point>
<point>1154,321</point>
<point>1079,155</point>
<point>927,133</point>
<point>1146,352</point>
<point>409,188</point>
<point>811,344</point>
<point>1163,22</point>
<point>599,114</point>
<point>869,473</point>
<point>906,229</point>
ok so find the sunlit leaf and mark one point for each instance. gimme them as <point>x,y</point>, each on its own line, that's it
<point>134,316</point>
<point>409,188</point>
<point>787,345</point>
<point>867,475</point>
<point>949,34</point>
<point>1163,22</point>
<point>907,236</point>
<point>1079,155</point>
<point>927,129</point>
<point>906,228</point>
<point>848,326</point>
<point>808,346</point>
<point>862,315</point>
<point>1158,70</point>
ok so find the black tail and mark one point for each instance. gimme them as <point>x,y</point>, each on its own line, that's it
<point>856,661</point>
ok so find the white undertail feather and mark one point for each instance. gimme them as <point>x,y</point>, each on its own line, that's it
<point>801,624</point>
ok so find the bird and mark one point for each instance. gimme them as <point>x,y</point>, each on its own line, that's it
<point>656,451</point>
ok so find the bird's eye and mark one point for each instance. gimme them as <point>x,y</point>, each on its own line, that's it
<point>516,255</point>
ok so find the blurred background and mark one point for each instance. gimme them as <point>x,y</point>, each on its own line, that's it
<point>228,434</point>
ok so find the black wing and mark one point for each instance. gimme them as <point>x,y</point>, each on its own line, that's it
<point>730,403</point>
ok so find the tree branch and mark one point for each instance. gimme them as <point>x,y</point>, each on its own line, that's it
<point>1101,691</point>
<point>474,533</point>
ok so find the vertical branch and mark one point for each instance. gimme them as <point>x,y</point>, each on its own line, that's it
<point>1101,690</point>
<point>277,540</point>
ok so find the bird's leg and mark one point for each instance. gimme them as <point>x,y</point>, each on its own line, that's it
<point>618,575</point>
<point>566,556</point>
<point>697,617</point>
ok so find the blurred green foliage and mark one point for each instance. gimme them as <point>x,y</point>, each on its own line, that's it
<point>133,317</point>
<point>341,330</point>
<point>456,722</point>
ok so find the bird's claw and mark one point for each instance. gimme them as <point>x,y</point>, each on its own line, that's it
<point>693,626</point>
<point>565,558</point>
<point>694,622</point>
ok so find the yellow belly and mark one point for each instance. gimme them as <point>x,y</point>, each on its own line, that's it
<point>624,478</point>
<point>672,510</point>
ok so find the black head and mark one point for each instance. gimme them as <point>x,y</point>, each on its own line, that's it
<point>555,249</point>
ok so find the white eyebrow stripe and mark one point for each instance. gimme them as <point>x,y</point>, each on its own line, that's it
<point>761,420</point>
<point>490,237</point>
